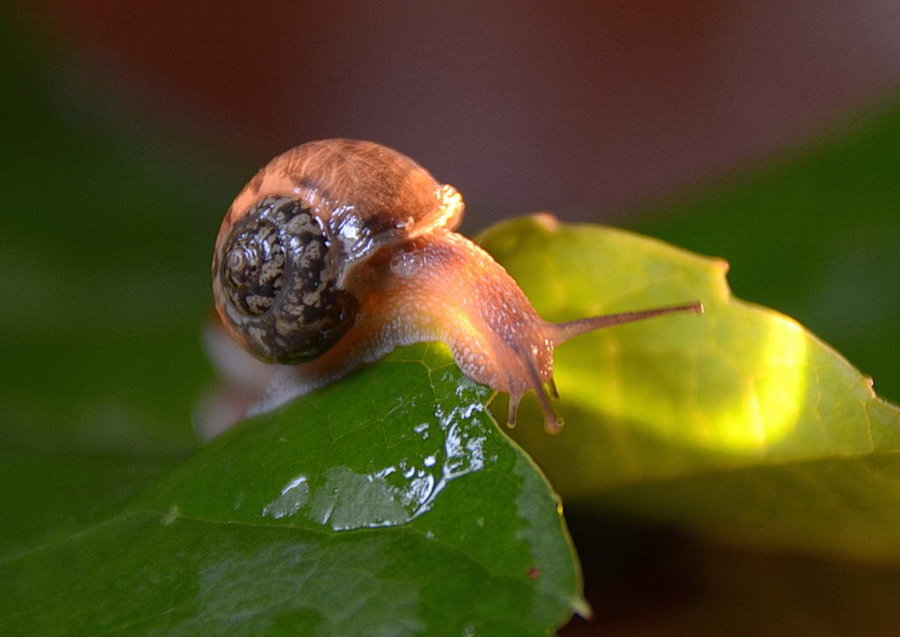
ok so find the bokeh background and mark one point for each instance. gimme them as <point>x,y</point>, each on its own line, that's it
<point>764,132</point>
<point>593,109</point>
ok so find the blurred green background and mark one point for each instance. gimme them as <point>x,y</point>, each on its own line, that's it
<point>125,133</point>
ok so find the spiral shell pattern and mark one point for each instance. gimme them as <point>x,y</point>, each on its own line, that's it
<point>277,273</point>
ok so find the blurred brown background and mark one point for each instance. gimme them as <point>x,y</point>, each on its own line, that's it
<point>584,108</point>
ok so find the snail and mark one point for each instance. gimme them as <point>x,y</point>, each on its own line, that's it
<point>339,251</point>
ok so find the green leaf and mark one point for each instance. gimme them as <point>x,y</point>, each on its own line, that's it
<point>737,422</point>
<point>55,492</point>
<point>389,503</point>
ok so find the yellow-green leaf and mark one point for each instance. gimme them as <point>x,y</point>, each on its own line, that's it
<point>738,422</point>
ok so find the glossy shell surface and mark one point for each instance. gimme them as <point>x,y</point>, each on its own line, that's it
<point>367,196</point>
<point>296,230</point>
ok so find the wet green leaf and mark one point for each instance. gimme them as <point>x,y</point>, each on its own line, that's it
<point>386,504</point>
<point>737,422</point>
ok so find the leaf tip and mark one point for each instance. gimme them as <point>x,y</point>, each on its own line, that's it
<point>546,221</point>
<point>582,608</point>
<point>721,264</point>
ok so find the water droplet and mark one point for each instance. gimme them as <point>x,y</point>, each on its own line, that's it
<point>345,498</point>
<point>293,497</point>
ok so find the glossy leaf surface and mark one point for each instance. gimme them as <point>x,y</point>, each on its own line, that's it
<point>386,504</point>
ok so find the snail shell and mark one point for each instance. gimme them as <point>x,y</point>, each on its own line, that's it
<point>338,251</point>
<point>300,225</point>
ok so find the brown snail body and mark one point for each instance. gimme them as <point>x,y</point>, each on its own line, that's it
<point>338,251</point>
